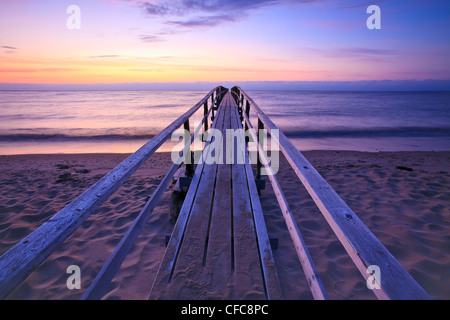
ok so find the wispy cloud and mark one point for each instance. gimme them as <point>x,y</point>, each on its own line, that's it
<point>155,9</point>
<point>32,70</point>
<point>349,52</point>
<point>205,21</point>
<point>185,15</point>
<point>9,49</point>
<point>150,38</point>
<point>105,56</point>
<point>184,7</point>
<point>351,4</point>
<point>361,51</point>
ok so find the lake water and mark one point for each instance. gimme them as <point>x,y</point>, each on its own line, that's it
<point>122,121</point>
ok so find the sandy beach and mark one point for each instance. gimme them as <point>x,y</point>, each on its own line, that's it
<point>403,197</point>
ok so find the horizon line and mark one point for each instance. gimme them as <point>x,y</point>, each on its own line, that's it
<point>343,85</point>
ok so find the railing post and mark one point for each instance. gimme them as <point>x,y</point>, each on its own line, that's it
<point>240,104</point>
<point>261,143</point>
<point>205,112</point>
<point>188,157</point>
<point>212,106</point>
<point>247,113</point>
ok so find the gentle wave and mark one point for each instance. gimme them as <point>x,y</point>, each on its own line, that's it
<point>370,132</point>
<point>294,133</point>
<point>120,120</point>
<point>72,138</point>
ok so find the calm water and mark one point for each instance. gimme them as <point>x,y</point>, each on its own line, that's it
<point>122,121</point>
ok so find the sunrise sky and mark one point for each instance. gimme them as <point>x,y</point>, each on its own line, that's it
<point>126,41</point>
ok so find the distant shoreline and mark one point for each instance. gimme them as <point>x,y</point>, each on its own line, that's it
<point>363,85</point>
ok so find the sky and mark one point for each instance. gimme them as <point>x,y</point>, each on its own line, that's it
<point>179,41</point>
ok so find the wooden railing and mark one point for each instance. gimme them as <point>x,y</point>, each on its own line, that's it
<point>17,263</point>
<point>360,243</point>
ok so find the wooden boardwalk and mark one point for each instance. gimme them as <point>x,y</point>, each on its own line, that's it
<point>216,249</point>
<point>219,248</point>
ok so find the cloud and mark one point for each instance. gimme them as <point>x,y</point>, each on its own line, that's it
<point>349,52</point>
<point>105,56</point>
<point>155,9</point>
<point>184,7</point>
<point>196,13</point>
<point>186,15</point>
<point>204,21</point>
<point>150,38</point>
<point>351,4</point>
<point>9,49</point>
<point>361,51</point>
<point>32,70</point>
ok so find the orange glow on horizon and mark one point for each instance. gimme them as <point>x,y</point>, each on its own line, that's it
<point>121,70</point>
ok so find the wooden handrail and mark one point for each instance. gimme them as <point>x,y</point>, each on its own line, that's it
<point>360,243</point>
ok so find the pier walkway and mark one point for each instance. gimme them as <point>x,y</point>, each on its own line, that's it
<point>219,247</point>
<point>220,232</point>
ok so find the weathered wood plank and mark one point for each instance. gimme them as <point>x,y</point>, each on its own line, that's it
<point>188,279</point>
<point>247,262</point>
<point>23,258</point>
<point>360,243</point>
<point>219,253</point>
<point>161,288</point>
<point>249,283</point>
<point>270,275</point>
